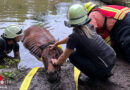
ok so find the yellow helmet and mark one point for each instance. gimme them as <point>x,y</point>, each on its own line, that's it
<point>89,6</point>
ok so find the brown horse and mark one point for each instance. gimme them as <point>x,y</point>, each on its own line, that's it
<point>37,40</point>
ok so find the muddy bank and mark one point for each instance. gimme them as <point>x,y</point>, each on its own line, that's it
<point>119,81</point>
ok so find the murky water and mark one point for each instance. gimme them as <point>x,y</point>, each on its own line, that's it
<point>46,13</point>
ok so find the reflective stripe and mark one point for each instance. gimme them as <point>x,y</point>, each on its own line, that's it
<point>124,13</point>
<point>110,9</point>
<point>91,7</point>
<point>120,14</point>
<point>109,43</point>
<point>103,62</point>
<point>107,39</point>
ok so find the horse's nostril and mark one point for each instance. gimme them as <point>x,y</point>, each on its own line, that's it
<point>53,76</point>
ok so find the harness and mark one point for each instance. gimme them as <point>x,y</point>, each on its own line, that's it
<point>42,47</point>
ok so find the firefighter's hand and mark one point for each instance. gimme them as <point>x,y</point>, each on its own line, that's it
<point>9,57</point>
<point>54,62</point>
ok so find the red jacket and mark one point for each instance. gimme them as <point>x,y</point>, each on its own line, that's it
<point>114,11</point>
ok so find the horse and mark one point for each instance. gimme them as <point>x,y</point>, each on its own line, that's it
<point>37,40</point>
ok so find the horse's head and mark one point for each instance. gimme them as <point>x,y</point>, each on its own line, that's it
<point>47,55</point>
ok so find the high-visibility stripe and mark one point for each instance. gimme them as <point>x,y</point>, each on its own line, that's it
<point>124,13</point>
<point>28,79</point>
<point>120,14</point>
<point>108,40</point>
<point>109,43</point>
<point>110,9</point>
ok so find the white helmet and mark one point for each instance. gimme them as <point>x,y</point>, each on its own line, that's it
<point>12,31</point>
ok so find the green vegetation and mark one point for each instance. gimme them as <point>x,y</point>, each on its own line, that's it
<point>9,71</point>
<point>11,77</point>
<point>11,62</point>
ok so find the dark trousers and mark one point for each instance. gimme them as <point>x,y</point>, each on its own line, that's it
<point>88,67</point>
<point>2,58</point>
<point>121,35</point>
<point>2,61</point>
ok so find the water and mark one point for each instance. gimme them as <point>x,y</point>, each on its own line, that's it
<point>46,13</point>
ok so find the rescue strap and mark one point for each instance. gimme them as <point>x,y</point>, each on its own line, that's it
<point>28,78</point>
<point>76,76</point>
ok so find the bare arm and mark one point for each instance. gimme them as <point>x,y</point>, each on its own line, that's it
<point>16,55</point>
<point>62,57</point>
<point>59,42</point>
<point>62,41</point>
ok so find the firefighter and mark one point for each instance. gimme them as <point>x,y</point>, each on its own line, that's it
<point>85,48</point>
<point>8,42</point>
<point>112,20</point>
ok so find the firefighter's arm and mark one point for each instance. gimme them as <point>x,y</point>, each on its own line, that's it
<point>16,51</point>
<point>62,57</point>
<point>17,55</point>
